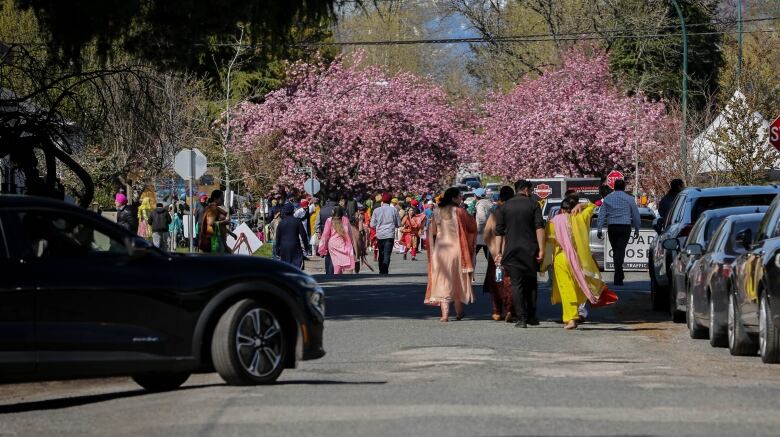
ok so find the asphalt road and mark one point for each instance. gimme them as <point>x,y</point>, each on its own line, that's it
<point>393,369</point>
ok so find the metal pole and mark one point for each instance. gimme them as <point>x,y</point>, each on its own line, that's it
<point>192,200</point>
<point>739,41</point>
<point>684,135</point>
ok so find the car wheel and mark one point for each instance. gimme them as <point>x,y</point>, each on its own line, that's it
<point>695,330</point>
<point>718,336</point>
<point>657,292</point>
<point>249,345</point>
<point>740,342</point>
<point>161,381</point>
<point>768,337</point>
<point>677,315</point>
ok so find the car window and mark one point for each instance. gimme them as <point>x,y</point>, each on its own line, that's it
<point>770,224</point>
<point>676,210</point>
<point>696,235</point>
<point>732,247</point>
<point>46,234</point>
<point>709,229</point>
<point>719,237</point>
<point>706,203</point>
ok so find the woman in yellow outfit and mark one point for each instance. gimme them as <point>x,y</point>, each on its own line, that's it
<point>576,276</point>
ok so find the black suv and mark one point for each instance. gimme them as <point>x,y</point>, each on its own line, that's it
<point>686,209</point>
<point>82,297</point>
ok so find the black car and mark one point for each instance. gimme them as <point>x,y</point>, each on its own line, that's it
<point>708,277</point>
<point>693,249</point>
<point>687,207</point>
<point>82,297</point>
<point>754,298</point>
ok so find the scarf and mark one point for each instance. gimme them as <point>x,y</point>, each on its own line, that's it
<point>563,234</point>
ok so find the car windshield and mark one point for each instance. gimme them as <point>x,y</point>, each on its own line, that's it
<point>733,247</point>
<point>706,203</point>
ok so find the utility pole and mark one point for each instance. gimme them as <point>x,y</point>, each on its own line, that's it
<point>684,135</point>
<point>739,41</point>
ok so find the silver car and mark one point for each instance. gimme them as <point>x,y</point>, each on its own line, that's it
<point>647,216</point>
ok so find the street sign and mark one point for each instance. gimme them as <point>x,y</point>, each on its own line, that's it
<point>543,191</point>
<point>302,170</point>
<point>636,252</point>
<point>612,177</point>
<point>183,163</point>
<point>774,134</point>
<point>311,186</point>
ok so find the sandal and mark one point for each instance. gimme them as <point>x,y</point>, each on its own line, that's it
<point>571,325</point>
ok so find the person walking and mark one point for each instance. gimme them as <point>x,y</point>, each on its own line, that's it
<point>200,209</point>
<point>337,242</point>
<point>325,212</point>
<point>144,211</point>
<point>124,216</point>
<point>451,257</point>
<point>483,208</point>
<point>385,220</point>
<point>577,278</point>
<point>620,213</point>
<point>214,227</point>
<point>411,225</point>
<point>500,291</point>
<point>290,238</point>
<point>665,204</point>
<point>175,228</point>
<point>159,220</point>
<point>520,231</point>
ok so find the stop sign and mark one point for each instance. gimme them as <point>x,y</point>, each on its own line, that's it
<point>774,134</point>
<point>612,177</point>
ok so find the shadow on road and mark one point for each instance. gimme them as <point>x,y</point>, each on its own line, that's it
<point>75,401</point>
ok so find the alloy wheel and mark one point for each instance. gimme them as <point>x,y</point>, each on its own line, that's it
<point>259,342</point>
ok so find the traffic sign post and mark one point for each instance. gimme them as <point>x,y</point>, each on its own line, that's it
<point>774,134</point>
<point>311,186</point>
<point>190,164</point>
<point>612,177</point>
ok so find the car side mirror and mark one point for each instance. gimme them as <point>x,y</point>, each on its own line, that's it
<point>694,249</point>
<point>671,244</point>
<point>744,238</point>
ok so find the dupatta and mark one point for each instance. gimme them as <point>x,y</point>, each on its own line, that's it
<point>571,233</point>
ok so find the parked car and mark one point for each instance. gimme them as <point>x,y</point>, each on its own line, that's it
<point>473,185</point>
<point>686,209</point>
<point>82,297</point>
<point>754,298</point>
<point>646,215</point>
<point>692,250</point>
<point>492,188</point>
<point>709,277</point>
<point>473,179</point>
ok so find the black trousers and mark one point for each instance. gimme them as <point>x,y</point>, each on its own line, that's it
<point>385,250</point>
<point>481,247</point>
<point>618,238</point>
<point>524,291</point>
<point>328,265</point>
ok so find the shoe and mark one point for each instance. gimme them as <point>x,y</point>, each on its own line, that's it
<point>509,318</point>
<point>460,316</point>
<point>414,259</point>
<point>496,317</point>
<point>533,322</point>
<point>404,257</point>
<point>444,319</point>
<point>521,324</point>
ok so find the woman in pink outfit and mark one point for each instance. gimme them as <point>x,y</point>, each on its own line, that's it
<point>337,241</point>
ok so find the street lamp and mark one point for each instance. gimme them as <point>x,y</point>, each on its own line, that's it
<point>683,137</point>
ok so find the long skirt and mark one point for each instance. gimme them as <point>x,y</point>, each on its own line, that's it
<point>501,293</point>
<point>565,288</point>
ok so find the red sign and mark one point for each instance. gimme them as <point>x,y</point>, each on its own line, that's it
<point>543,191</point>
<point>612,177</point>
<point>774,134</point>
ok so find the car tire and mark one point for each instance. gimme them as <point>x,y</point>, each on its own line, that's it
<point>161,381</point>
<point>718,335</point>
<point>695,330</point>
<point>768,335</point>
<point>657,292</point>
<point>740,342</point>
<point>249,346</point>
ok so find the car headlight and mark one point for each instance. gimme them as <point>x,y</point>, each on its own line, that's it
<point>315,295</point>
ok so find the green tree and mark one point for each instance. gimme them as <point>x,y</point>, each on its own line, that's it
<point>653,65</point>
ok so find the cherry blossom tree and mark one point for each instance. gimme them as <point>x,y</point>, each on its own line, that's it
<point>360,128</point>
<point>573,121</point>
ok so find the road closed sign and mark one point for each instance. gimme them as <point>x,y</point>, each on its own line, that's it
<point>637,252</point>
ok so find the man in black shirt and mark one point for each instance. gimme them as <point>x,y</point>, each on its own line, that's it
<point>520,230</point>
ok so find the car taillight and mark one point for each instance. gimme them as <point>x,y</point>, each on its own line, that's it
<point>684,232</point>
